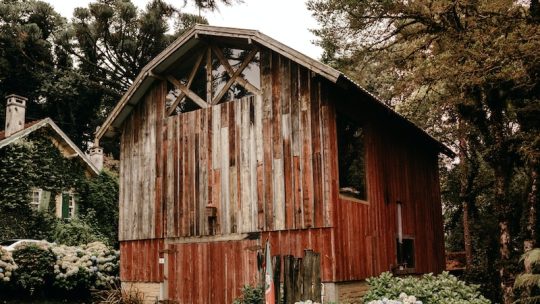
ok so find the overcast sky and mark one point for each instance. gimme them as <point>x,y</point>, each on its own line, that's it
<point>287,21</point>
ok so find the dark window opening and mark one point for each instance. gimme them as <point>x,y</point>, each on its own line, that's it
<point>405,253</point>
<point>351,158</point>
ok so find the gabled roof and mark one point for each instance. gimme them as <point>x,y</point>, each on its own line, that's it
<point>61,136</point>
<point>191,38</point>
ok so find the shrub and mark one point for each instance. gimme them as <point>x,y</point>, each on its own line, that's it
<point>7,266</point>
<point>251,295</point>
<point>77,231</point>
<point>106,261</point>
<point>119,295</point>
<point>35,267</point>
<point>94,265</point>
<point>72,269</point>
<point>428,289</point>
<point>101,197</point>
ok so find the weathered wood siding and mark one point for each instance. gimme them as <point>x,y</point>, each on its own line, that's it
<point>141,169</point>
<point>362,241</point>
<point>258,161</point>
<point>140,261</point>
<point>399,168</point>
<point>211,272</point>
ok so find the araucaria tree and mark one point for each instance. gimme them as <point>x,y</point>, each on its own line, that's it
<point>475,67</point>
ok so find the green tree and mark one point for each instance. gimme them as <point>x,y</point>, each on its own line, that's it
<point>100,201</point>
<point>472,62</point>
<point>27,54</point>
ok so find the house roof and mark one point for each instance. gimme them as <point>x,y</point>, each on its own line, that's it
<point>61,136</point>
<point>26,125</point>
<point>192,37</point>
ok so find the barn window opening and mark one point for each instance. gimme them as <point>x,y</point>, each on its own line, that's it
<point>351,158</point>
<point>405,253</point>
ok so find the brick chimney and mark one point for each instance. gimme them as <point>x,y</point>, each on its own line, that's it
<point>96,157</point>
<point>15,112</point>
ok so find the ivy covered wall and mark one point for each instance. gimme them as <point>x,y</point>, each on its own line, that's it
<point>35,162</point>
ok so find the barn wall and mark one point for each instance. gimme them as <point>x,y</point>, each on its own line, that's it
<point>256,163</point>
<point>141,169</point>
<point>140,261</point>
<point>211,272</point>
<point>403,169</point>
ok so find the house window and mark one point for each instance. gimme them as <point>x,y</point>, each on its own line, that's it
<point>35,199</point>
<point>69,205</point>
<point>351,158</point>
<point>405,253</point>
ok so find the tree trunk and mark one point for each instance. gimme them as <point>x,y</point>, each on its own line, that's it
<point>530,230</point>
<point>464,196</point>
<point>504,213</point>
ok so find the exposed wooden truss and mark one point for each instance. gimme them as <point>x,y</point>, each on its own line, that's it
<point>235,77</point>
<point>246,84</point>
<point>190,81</point>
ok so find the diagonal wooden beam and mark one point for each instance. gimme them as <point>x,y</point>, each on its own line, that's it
<point>190,81</point>
<point>234,77</point>
<point>190,94</point>
<point>225,63</point>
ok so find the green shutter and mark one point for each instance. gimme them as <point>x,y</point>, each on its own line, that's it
<point>65,205</point>
<point>44,202</point>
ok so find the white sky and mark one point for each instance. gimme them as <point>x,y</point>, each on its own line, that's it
<point>287,21</point>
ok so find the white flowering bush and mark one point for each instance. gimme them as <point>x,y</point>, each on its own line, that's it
<point>34,271</point>
<point>7,266</point>
<point>106,264</point>
<point>403,299</point>
<point>72,269</point>
<point>427,289</point>
<point>93,265</point>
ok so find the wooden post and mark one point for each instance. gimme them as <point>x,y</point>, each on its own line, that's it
<point>298,280</point>
<point>276,261</point>
<point>288,279</point>
<point>307,290</point>
<point>316,277</point>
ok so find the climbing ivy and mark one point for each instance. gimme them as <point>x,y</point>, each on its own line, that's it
<point>33,161</point>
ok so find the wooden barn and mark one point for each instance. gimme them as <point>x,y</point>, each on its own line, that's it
<point>230,138</point>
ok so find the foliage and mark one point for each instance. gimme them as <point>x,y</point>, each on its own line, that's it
<point>251,295</point>
<point>35,267</point>
<point>62,271</point>
<point>77,231</point>
<point>529,282</point>
<point>101,197</point>
<point>7,266</point>
<point>119,295</point>
<point>468,72</point>
<point>26,52</point>
<point>84,267</point>
<point>30,162</point>
<point>402,299</point>
<point>443,288</point>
